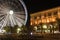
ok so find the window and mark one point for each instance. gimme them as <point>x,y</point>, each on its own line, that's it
<point>49,14</point>
<point>35,17</point>
<point>44,15</point>
<point>55,13</point>
<point>40,16</point>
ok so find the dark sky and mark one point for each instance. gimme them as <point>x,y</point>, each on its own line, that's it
<point>37,5</point>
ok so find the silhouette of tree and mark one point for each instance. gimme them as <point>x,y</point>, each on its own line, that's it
<point>7,28</point>
<point>58,21</point>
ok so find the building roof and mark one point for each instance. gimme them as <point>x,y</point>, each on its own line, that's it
<point>45,11</point>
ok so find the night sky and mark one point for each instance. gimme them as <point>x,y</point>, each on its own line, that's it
<point>37,5</point>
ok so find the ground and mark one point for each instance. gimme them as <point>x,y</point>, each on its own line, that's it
<point>30,37</point>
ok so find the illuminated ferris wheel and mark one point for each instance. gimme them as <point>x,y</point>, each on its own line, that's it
<point>12,12</point>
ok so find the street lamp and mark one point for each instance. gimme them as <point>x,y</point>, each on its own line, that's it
<point>44,26</point>
<point>18,30</point>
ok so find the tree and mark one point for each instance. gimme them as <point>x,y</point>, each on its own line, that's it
<point>14,29</point>
<point>58,21</point>
<point>7,28</point>
<point>24,29</point>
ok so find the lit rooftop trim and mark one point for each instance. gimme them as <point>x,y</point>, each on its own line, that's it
<point>45,11</point>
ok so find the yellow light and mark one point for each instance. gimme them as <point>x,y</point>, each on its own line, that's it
<point>51,26</point>
<point>47,31</point>
<point>38,17</point>
<point>58,14</point>
<point>35,27</point>
<point>4,31</point>
<point>44,26</point>
<point>56,31</point>
<point>42,16</point>
<point>39,21</point>
<point>47,21</point>
<point>36,22</point>
<point>18,30</point>
<point>43,20</point>
<point>31,23</point>
<point>53,20</point>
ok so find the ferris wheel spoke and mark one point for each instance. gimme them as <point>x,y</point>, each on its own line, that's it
<point>2,7</point>
<point>12,20</point>
<point>21,16</point>
<point>18,23</point>
<point>2,12</point>
<point>4,22</point>
<point>14,4</point>
<point>2,15</point>
<point>20,20</point>
<point>2,18</point>
<point>20,13</point>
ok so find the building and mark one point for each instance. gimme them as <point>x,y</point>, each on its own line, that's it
<point>47,21</point>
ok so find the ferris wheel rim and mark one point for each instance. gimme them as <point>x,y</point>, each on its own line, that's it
<point>23,4</point>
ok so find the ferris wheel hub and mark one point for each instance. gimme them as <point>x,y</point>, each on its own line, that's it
<point>11,12</point>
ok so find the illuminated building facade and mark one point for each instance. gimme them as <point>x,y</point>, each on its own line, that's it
<point>47,21</point>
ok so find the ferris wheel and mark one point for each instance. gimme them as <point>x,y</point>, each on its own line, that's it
<point>12,12</point>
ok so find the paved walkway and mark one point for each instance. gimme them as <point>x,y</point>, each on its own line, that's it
<point>31,37</point>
